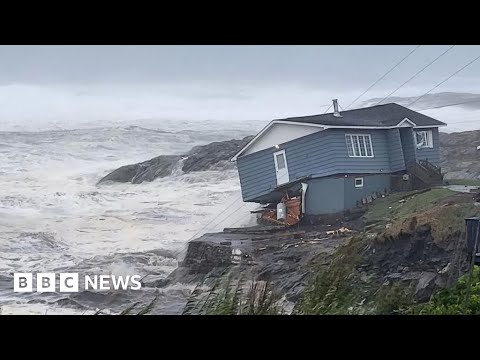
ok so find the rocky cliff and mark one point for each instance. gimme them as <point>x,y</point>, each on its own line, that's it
<point>400,252</point>
<point>213,156</point>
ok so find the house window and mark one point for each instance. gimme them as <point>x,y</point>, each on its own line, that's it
<point>424,139</point>
<point>359,182</point>
<point>281,161</point>
<point>359,145</point>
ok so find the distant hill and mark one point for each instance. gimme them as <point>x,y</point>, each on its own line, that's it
<point>460,158</point>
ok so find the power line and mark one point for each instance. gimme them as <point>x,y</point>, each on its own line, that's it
<point>185,245</point>
<point>328,109</point>
<point>225,218</point>
<point>416,74</point>
<point>441,82</point>
<point>215,218</point>
<point>383,76</point>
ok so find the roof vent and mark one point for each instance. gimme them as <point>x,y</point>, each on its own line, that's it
<point>335,108</point>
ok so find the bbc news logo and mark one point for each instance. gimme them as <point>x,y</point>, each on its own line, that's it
<point>69,282</point>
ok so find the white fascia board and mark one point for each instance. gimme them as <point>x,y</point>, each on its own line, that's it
<point>406,120</point>
<point>265,129</point>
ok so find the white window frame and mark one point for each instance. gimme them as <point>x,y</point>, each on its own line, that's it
<point>349,139</point>
<point>355,182</point>
<point>428,138</point>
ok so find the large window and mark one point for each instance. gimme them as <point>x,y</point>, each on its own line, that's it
<point>424,139</point>
<point>359,145</point>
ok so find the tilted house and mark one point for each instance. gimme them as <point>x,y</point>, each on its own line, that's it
<point>340,158</point>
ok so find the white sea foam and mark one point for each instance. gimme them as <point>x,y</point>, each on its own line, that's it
<point>54,217</point>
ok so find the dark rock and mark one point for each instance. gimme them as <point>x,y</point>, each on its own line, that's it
<point>202,257</point>
<point>215,155</point>
<point>205,157</point>
<point>160,166</point>
<point>288,269</point>
<point>423,229</point>
<point>425,286</point>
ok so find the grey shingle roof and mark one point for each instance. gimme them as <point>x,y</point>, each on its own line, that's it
<point>379,115</point>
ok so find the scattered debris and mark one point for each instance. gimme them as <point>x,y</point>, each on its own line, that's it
<point>237,252</point>
<point>445,204</point>
<point>289,216</point>
<point>313,241</point>
<point>254,230</point>
<point>341,231</point>
<point>445,269</point>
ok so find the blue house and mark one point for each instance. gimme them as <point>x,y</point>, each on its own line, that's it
<point>336,161</point>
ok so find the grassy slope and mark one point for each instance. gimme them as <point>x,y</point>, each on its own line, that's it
<point>337,288</point>
<point>390,207</point>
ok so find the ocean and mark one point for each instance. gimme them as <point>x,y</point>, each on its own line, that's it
<point>55,219</point>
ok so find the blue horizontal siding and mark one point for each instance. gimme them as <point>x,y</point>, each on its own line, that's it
<point>395,151</point>
<point>320,154</point>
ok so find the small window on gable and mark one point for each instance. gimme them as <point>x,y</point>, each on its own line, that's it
<point>358,182</point>
<point>424,139</point>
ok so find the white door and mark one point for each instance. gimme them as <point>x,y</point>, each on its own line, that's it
<point>281,167</point>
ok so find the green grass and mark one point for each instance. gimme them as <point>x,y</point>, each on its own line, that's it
<point>461,299</point>
<point>468,182</point>
<point>338,288</point>
<point>231,296</point>
<point>389,207</point>
<point>330,291</point>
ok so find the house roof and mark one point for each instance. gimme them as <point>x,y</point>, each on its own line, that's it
<point>385,115</point>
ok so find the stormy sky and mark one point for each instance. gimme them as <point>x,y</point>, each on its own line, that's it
<point>214,82</point>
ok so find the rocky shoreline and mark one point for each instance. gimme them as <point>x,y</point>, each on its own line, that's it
<point>370,263</point>
<point>390,258</point>
<point>213,156</point>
